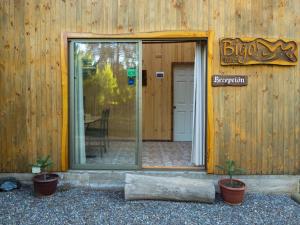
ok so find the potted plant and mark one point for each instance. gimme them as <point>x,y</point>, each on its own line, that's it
<point>44,183</point>
<point>232,190</point>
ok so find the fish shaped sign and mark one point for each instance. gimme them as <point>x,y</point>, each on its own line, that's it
<point>237,51</point>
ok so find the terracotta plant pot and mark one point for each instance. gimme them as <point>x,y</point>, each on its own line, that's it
<point>45,184</point>
<point>232,195</point>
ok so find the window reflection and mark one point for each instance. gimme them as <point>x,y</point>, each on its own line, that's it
<point>105,103</point>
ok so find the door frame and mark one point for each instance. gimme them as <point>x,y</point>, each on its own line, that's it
<point>168,35</point>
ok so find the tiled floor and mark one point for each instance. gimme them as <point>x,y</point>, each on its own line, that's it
<point>170,154</point>
<point>118,152</point>
<point>167,154</point>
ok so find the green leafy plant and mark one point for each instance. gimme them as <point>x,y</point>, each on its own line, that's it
<point>230,169</point>
<point>43,162</point>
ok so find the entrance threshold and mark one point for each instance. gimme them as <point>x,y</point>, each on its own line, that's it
<point>179,168</point>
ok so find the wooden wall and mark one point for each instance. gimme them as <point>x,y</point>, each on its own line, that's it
<point>157,95</point>
<point>257,125</point>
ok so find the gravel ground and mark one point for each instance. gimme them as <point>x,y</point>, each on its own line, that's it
<point>86,206</point>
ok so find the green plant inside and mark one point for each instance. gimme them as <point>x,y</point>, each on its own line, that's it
<point>43,163</point>
<point>230,169</point>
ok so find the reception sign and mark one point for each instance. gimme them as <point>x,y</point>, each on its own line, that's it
<point>229,80</point>
<point>236,51</point>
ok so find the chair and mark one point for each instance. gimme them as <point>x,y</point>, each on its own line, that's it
<point>99,130</point>
<point>106,118</point>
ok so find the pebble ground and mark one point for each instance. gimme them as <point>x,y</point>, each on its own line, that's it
<point>88,206</point>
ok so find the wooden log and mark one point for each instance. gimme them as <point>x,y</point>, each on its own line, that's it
<point>296,197</point>
<point>138,187</point>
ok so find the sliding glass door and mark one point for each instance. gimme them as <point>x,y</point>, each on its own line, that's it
<point>105,104</point>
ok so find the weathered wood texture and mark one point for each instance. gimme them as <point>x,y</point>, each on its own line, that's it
<point>257,125</point>
<point>157,95</point>
<point>139,187</point>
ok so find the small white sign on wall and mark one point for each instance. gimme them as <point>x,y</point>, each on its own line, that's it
<point>160,75</point>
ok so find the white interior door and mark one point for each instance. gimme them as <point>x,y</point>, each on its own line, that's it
<point>183,102</point>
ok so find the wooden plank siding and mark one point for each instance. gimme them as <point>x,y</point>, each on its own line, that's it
<point>257,125</point>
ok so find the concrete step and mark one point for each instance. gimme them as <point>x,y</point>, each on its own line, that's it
<point>115,179</point>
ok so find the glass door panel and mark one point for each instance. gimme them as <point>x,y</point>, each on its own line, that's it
<point>104,107</point>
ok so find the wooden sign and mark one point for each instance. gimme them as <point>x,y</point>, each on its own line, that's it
<point>226,80</point>
<point>258,51</point>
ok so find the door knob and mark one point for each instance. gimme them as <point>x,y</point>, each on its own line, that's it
<point>174,106</point>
